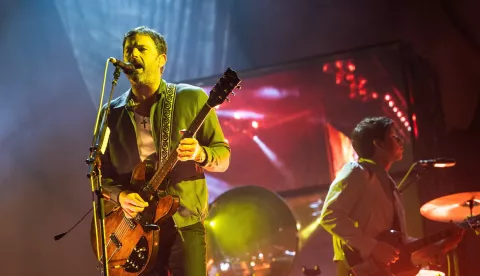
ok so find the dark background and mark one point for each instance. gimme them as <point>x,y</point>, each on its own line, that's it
<point>53,55</point>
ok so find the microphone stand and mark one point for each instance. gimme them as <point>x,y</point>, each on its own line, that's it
<point>95,175</point>
<point>404,184</point>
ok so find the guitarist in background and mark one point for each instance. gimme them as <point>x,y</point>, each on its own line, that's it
<point>363,202</point>
<point>137,120</point>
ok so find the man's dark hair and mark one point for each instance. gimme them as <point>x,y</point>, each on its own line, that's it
<point>157,38</point>
<point>366,132</point>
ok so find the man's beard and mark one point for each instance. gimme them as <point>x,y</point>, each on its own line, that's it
<point>144,78</point>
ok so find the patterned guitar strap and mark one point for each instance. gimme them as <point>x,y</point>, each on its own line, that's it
<point>167,106</point>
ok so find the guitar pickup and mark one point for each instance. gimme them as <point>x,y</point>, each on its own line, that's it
<point>115,240</point>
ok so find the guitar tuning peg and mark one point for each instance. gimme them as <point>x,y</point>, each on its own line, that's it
<point>238,87</point>
<point>228,100</point>
<point>233,94</point>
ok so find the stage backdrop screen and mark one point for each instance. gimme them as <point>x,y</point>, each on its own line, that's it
<point>289,125</point>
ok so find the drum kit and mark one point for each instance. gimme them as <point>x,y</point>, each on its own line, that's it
<point>454,207</point>
<point>252,231</point>
<point>450,208</point>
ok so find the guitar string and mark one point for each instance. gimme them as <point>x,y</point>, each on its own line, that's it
<point>119,232</point>
<point>122,229</point>
<point>110,240</point>
<point>125,229</point>
<point>115,232</point>
<point>124,226</point>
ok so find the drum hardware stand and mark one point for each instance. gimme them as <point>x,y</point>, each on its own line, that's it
<point>311,271</point>
<point>453,255</point>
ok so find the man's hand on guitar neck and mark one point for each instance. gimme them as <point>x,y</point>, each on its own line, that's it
<point>452,241</point>
<point>131,203</point>
<point>190,149</point>
<point>434,254</point>
<point>385,253</point>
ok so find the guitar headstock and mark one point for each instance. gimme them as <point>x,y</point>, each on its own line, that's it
<point>223,88</point>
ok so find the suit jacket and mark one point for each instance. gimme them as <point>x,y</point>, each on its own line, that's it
<point>360,205</point>
<point>187,179</point>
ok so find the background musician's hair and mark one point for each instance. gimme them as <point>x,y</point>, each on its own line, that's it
<point>368,130</point>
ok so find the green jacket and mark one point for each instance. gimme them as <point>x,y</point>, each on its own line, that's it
<point>187,179</point>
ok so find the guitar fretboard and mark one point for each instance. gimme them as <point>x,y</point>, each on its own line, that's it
<point>421,243</point>
<point>171,160</point>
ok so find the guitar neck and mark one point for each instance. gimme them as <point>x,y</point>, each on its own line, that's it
<point>171,160</point>
<point>430,239</point>
<point>421,243</point>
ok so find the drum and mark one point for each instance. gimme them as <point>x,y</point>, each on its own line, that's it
<point>250,230</point>
<point>428,272</point>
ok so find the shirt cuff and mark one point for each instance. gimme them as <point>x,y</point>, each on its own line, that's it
<point>206,161</point>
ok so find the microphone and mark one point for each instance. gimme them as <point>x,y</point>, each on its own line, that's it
<point>127,67</point>
<point>438,162</point>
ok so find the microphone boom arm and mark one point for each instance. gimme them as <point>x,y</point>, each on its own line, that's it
<point>404,184</point>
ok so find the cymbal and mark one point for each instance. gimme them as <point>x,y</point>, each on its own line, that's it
<point>454,207</point>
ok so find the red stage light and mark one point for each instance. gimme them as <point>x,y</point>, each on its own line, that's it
<point>387,97</point>
<point>254,124</point>
<point>374,95</point>
<point>351,67</point>
<point>362,82</point>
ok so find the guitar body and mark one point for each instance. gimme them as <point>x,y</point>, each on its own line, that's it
<point>132,244</point>
<point>403,266</point>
